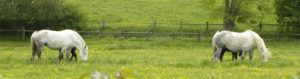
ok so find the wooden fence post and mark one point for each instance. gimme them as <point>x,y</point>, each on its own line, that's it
<point>206,25</point>
<point>103,24</point>
<point>123,33</point>
<point>277,35</point>
<point>180,25</point>
<point>154,25</point>
<point>98,34</point>
<point>198,36</point>
<point>173,35</point>
<point>23,32</point>
<point>147,35</point>
<point>260,26</point>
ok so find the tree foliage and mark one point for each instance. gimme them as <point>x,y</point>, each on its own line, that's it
<point>288,12</point>
<point>241,11</point>
<point>39,14</point>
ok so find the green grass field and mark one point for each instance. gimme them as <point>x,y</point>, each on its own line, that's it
<point>157,58</point>
<point>138,15</point>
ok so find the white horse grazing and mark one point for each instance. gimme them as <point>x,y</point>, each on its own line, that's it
<point>239,42</point>
<point>63,41</point>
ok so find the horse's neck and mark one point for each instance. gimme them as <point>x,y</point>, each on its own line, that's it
<point>81,42</point>
<point>263,46</point>
<point>260,43</point>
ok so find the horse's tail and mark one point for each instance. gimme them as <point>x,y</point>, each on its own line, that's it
<point>213,41</point>
<point>263,51</point>
<point>32,40</point>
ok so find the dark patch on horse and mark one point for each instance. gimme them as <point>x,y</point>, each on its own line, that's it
<point>73,54</point>
<point>234,54</point>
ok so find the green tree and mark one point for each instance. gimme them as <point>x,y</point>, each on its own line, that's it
<point>39,14</point>
<point>242,11</point>
<point>288,13</point>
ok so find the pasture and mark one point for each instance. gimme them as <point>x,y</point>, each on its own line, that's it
<point>137,15</point>
<point>157,58</point>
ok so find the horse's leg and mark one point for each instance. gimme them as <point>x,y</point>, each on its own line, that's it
<point>60,55</point>
<point>213,53</point>
<point>234,56</point>
<point>244,54</point>
<point>222,54</point>
<point>73,54</point>
<point>33,54</point>
<point>39,52</point>
<point>217,54</point>
<point>68,54</point>
<point>250,54</point>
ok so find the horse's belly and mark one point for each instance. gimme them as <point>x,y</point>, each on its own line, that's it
<point>234,49</point>
<point>55,47</point>
<point>240,47</point>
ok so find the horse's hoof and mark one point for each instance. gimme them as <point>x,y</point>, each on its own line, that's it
<point>40,60</point>
<point>57,61</point>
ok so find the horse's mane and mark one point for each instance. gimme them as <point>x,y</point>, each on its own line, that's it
<point>77,35</point>
<point>260,44</point>
<point>82,41</point>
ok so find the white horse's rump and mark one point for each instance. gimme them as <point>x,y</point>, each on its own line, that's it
<point>239,42</point>
<point>63,40</point>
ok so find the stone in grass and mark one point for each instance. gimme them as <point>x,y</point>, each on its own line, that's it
<point>98,75</point>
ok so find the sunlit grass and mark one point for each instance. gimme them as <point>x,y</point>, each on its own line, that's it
<point>157,58</point>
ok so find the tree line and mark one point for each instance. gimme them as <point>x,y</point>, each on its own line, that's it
<point>39,14</point>
<point>253,11</point>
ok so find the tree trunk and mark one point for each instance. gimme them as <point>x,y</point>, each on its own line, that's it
<point>228,21</point>
<point>20,27</point>
<point>22,31</point>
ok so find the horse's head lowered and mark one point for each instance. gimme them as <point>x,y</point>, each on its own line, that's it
<point>84,54</point>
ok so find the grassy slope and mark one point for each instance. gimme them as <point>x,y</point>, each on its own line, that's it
<point>143,11</point>
<point>156,58</point>
<point>137,15</point>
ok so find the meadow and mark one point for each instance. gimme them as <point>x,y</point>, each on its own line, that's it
<point>138,15</point>
<point>154,58</point>
<point>157,58</point>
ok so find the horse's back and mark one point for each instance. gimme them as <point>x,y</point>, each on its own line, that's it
<point>57,39</point>
<point>234,40</point>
